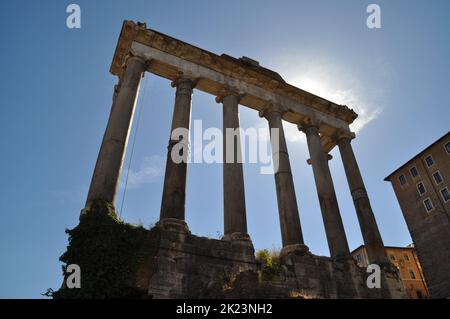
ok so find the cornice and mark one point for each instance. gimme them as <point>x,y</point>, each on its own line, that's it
<point>224,64</point>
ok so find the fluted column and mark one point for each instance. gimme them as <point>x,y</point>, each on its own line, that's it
<point>371,235</point>
<point>235,219</point>
<point>107,170</point>
<point>334,228</point>
<point>291,231</point>
<point>174,189</point>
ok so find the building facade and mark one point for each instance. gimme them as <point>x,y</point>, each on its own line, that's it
<point>422,187</point>
<point>407,262</point>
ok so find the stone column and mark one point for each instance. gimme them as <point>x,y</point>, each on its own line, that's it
<point>174,190</point>
<point>291,231</point>
<point>334,228</point>
<point>371,235</point>
<point>107,170</point>
<point>235,219</point>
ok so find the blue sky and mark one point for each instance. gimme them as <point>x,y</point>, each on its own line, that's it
<point>56,95</point>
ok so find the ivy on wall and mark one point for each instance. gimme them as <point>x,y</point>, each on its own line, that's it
<point>108,252</point>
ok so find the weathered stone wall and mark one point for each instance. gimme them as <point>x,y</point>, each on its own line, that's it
<point>119,260</point>
<point>187,266</point>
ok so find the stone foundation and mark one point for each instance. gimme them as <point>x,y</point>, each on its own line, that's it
<point>188,266</point>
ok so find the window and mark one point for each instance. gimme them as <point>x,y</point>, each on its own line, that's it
<point>421,188</point>
<point>447,147</point>
<point>414,172</point>
<point>445,194</point>
<point>406,257</point>
<point>402,179</point>
<point>428,205</point>
<point>412,274</point>
<point>358,258</point>
<point>438,178</point>
<point>392,257</point>
<point>429,160</point>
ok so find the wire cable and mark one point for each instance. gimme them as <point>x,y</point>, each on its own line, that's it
<point>140,107</point>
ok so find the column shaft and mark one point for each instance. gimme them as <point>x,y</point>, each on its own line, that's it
<point>371,235</point>
<point>174,189</point>
<point>107,170</point>
<point>334,228</point>
<point>291,232</point>
<point>235,220</point>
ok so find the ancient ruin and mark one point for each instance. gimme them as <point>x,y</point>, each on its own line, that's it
<point>180,264</point>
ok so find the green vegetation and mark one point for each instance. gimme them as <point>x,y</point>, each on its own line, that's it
<point>270,264</point>
<point>108,252</point>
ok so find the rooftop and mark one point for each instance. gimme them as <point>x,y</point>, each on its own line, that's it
<point>409,247</point>
<point>446,135</point>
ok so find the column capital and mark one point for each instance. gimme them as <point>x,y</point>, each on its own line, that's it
<point>342,134</point>
<point>271,107</point>
<point>309,125</point>
<point>227,91</point>
<point>185,81</point>
<point>130,57</point>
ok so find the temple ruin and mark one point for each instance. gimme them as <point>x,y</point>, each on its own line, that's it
<point>185,265</point>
